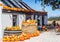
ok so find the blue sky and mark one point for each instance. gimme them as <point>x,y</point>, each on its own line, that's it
<point>38,7</point>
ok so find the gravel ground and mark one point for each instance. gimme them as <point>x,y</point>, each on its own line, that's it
<point>49,36</point>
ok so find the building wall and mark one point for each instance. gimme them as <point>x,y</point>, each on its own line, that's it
<point>21,18</point>
<point>1,29</point>
<point>6,19</point>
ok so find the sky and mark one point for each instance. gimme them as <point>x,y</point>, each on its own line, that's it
<point>37,6</point>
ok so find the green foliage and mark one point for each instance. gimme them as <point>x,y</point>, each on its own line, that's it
<point>54,18</point>
<point>54,3</point>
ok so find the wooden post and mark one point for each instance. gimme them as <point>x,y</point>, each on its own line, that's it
<point>45,20</point>
<point>1,29</point>
<point>41,20</point>
<point>32,17</point>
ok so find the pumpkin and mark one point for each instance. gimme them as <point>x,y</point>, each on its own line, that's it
<point>15,9</point>
<point>24,23</point>
<point>11,9</point>
<point>32,35</point>
<point>21,38</point>
<point>31,22</point>
<point>8,38</point>
<point>5,7</point>
<point>27,36</point>
<point>17,27</point>
<point>0,4</point>
<point>36,33</point>
<point>16,38</point>
<point>19,9</point>
<point>8,28</point>
<point>4,38</point>
<point>22,9</point>
<point>12,37</point>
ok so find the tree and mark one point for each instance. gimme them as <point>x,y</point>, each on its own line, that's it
<point>54,18</point>
<point>55,4</point>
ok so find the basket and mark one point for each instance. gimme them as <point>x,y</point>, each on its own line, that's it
<point>29,28</point>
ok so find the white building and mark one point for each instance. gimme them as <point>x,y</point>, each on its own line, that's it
<point>11,18</point>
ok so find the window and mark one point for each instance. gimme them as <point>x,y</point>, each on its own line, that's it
<point>14,20</point>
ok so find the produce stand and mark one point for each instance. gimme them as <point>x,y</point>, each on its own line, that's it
<point>18,24</point>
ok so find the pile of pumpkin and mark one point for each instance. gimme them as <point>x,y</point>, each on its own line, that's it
<point>13,28</point>
<point>29,22</point>
<point>21,37</point>
<point>14,9</point>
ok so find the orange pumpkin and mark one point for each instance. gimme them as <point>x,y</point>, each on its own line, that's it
<point>16,38</point>
<point>22,9</point>
<point>27,36</point>
<point>36,33</point>
<point>11,9</point>
<point>19,9</point>
<point>21,38</point>
<point>4,38</point>
<point>0,4</point>
<point>15,9</point>
<point>8,38</point>
<point>5,7</point>
<point>8,8</point>
<point>32,35</point>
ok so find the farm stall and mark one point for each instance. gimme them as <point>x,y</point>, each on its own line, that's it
<point>13,12</point>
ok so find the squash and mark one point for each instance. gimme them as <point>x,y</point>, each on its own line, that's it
<point>11,9</point>
<point>5,7</point>
<point>21,38</point>
<point>0,4</point>
<point>15,9</point>
<point>36,33</point>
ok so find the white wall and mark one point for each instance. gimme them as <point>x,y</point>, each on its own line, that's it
<point>1,29</point>
<point>6,20</point>
<point>21,18</point>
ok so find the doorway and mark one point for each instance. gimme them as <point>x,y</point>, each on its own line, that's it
<point>43,20</point>
<point>38,20</point>
<point>15,20</point>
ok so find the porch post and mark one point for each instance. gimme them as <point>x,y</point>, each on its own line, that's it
<point>1,29</point>
<point>36,17</point>
<point>32,17</point>
<point>24,17</point>
<point>41,20</point>
<point>45,20</point>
